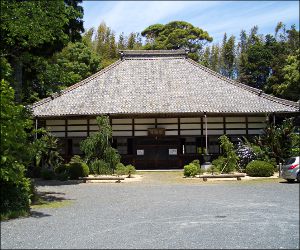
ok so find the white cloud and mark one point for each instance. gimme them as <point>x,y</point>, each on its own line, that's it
<point>216,17</point>
<point>128,16</point>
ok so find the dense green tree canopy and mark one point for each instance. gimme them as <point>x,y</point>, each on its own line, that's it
<point>267,62</point>
<point>36,28</point>
<point>176,35</point>
<point>74,63</point>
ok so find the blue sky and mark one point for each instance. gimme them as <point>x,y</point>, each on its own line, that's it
<point>216,17</point>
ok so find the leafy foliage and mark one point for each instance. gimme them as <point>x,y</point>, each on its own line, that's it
<point>45,153</point>
<point>125,170</point>
<point>100,167</point>
<point>213,169</point>
<point>260,169</point>
<point>15,153</point>
<point>97,146</point>
<point>276,140</point>
<point>230,157</point>
<point>268,62</point>
<point>47,174</point>
<point>120,169</point>
<point>176,35</point>
<point>192,169</point>
<point>290,89</point>
<point>74,63</point>
<point>218,164</point>
<point>31,30</point>
<point>77,167</point>
<point>130,169</point>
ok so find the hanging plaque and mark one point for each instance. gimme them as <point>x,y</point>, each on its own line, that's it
<point>140,152</point>
<point>172,151</point>
<point>156,131</point>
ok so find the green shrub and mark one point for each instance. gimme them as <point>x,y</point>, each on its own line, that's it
<point>14,198</point>
<point>219,163</point>
<point>111,157</point>
<point>64,176</point>
<point>213,169</point>
<point>62,168</point>
<point>191,170</point>
<point>196,162</point>
<point>130,170</point>
<point>77,168</point>
<point>101,167</point>
<point>47,174</point>
<point>121,169</point>
<point>229,154</point>
<point>260,169</point>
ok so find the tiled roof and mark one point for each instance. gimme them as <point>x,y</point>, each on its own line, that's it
<point>165,82</point>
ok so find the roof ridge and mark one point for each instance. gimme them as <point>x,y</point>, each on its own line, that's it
<point>126,54</point>
<point>259,92</point>
<point>76,85</point>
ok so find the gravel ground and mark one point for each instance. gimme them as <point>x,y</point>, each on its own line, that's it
<point>155,213</point>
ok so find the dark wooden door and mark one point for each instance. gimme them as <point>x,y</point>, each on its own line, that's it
<point>157,153</point>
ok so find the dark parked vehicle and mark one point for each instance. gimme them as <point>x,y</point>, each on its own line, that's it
<point>290,169</point>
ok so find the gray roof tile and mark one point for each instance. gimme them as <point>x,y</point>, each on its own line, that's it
<point>145,82</point>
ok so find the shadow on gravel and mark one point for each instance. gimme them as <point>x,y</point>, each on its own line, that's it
<point>51,196</point>
<point>36,214</point>
<point>41,182</point>
<point>289,183</point>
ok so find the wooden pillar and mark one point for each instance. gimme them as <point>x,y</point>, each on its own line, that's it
<point>88,126</point>
<point>132,127</point>
<point>205,117</point>
<point>247,133</point>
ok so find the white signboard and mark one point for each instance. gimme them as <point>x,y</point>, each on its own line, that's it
<point>172,151</point>
<point>140,152</point>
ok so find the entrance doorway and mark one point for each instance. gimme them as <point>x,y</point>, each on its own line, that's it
<point>157,153</point>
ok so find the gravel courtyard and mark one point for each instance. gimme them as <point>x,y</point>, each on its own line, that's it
<point>161,212</point>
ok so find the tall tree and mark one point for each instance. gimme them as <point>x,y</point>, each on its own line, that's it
<point>228,56</point>
<point>176,35</point>
<point>74,63</point>
<point>15,154</point>
<point>215,58</point>
<point>290,88</point>
<point>87,38</point>
<point>36,28</point>
<point>121,42</point>
<point>206,58</point>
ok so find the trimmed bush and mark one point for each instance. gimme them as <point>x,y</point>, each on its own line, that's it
<point>77,168</point>
<point>121,169</point>
<point>62,176</point>
<point>62,168</point>
<point>259,169</point>
<point>190,170</point>
<point>196,162</point>
<point>47,174</point>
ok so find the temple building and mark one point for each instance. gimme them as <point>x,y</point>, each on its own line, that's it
<point>164,108</point>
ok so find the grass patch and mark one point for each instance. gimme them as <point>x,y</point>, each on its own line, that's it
<point>176,177</point>
<point>51,204</point>
<point>13,215</point>
<point>49,200</point>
